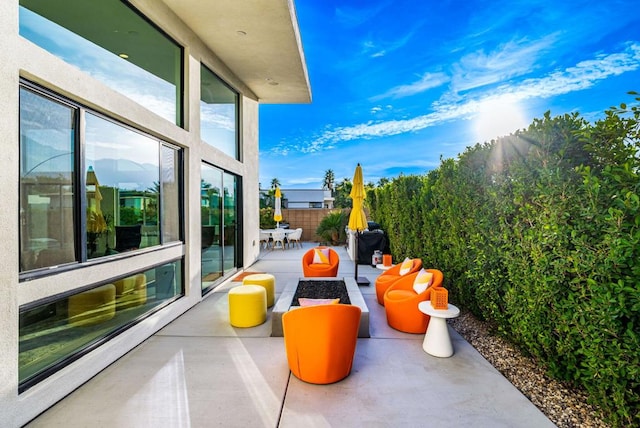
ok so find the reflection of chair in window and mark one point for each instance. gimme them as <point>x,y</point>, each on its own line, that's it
<point>165,282</point>
<point>131,291</point>
<point>208,236</point>
<point>55,256</point>
<point>128,237</point>
<point>93,306</point>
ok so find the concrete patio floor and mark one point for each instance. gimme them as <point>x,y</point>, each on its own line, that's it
<point>200,372</point>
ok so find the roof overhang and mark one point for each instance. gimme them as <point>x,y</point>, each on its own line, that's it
<point>258,40</point>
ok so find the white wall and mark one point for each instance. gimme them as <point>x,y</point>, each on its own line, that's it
<point>22,58</point>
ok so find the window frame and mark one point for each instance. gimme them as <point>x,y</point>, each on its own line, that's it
<point>237,110</point>
<point>80,201</point>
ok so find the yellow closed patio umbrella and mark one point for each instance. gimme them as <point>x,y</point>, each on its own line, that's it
<point>357,218</point>
<point>277,212</point>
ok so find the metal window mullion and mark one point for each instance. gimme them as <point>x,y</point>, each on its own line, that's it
<point>81,212</point>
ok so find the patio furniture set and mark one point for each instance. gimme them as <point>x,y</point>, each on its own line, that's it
<point>320,335</point>
<point>280,238</point>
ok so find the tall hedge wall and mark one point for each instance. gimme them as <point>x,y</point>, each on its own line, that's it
<point>539,232</point>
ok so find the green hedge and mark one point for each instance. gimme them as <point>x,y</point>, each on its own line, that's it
<point>539,233</point>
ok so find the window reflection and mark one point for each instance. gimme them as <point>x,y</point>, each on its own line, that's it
<point>47,142</point>
<point>122,189</point>
<point>218,113</point>
<point>53,332</point>
<point>170,191</point>
<point>131,194</point>
<point>230,222</point>
<point>113,44</point>
<point>219,216</point>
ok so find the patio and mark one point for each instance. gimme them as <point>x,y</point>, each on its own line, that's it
<point>199,372</point>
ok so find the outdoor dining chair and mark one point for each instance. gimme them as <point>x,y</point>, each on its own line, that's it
<point>265,238</point>
<point>278,237</point>
<point>294,237</point>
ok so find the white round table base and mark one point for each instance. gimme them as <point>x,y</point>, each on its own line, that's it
<point>437,341</point>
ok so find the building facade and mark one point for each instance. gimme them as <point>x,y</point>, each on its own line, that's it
<point>307,198</point>
<point>130,171</point>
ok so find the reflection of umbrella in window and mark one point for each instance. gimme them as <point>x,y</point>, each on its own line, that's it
<point>277,212</point>
<point>93,192</point>
<point>357,218</point>
<point>95,220</point>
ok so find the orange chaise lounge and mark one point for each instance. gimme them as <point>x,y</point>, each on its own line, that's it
<point>320,341</point>
<point>401,303</point>
<point>388,277</point>
<point>320,262</point>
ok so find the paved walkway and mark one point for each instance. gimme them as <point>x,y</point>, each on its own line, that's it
<point>201,372</point>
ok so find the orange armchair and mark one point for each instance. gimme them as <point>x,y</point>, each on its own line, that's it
<point>401,303</point>
<point>311,269</point>
<point>320,341</point>
<point>388,277</point>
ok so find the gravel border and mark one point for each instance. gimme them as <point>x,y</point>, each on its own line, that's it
<point>563,404</point>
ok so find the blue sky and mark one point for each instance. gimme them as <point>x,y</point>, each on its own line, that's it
<point>398,84</point>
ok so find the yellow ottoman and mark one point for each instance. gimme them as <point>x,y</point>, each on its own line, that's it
<point>264,280</point>
<point>247,305</point>
<point>92,306</point>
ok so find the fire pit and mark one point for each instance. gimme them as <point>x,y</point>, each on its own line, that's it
<point>320,288</point>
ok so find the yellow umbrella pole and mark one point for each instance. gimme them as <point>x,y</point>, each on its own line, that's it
<point>357,217</point>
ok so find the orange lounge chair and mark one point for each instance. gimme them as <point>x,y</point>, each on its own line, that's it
<point>401,303</point>
<point>320,341</point>
<point>311,269</point>
<point>388,277</point>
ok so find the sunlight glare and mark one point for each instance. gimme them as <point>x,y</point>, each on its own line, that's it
<point>497,118</point>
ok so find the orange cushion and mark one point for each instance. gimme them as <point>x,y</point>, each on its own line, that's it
<point>400,294</point>
<point>320,266</point>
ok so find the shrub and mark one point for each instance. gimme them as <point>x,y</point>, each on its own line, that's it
<point>332,227</point>
<point>539,233</point>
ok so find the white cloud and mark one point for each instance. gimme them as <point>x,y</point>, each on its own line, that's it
<point>354,17</point>
<point>427,81</point>
<point>581,76</point>
<point>380,49</point>
<point>511,59</point>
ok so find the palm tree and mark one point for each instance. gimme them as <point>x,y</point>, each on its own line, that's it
<point>275,183</point>
<point>329,178</point>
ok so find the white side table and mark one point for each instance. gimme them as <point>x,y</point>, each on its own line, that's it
<point>437,341</point>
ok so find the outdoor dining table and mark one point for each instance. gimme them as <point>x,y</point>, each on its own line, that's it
<point>271,231</point>
<point>287,232</point>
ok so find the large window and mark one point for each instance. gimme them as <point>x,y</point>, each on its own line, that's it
<point>48,203</point>
<point>123,176</point>
<point>110,41</point>
<point>87,194</point>
<point>54,333</point>
<point>220,225</point>
<point>122,195</point>
<point>218,113</point>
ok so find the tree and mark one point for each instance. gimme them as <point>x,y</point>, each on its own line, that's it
<point>329,178</point>
<point>383,181</point>
<point>275,183</point>
<point>342,199</point>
